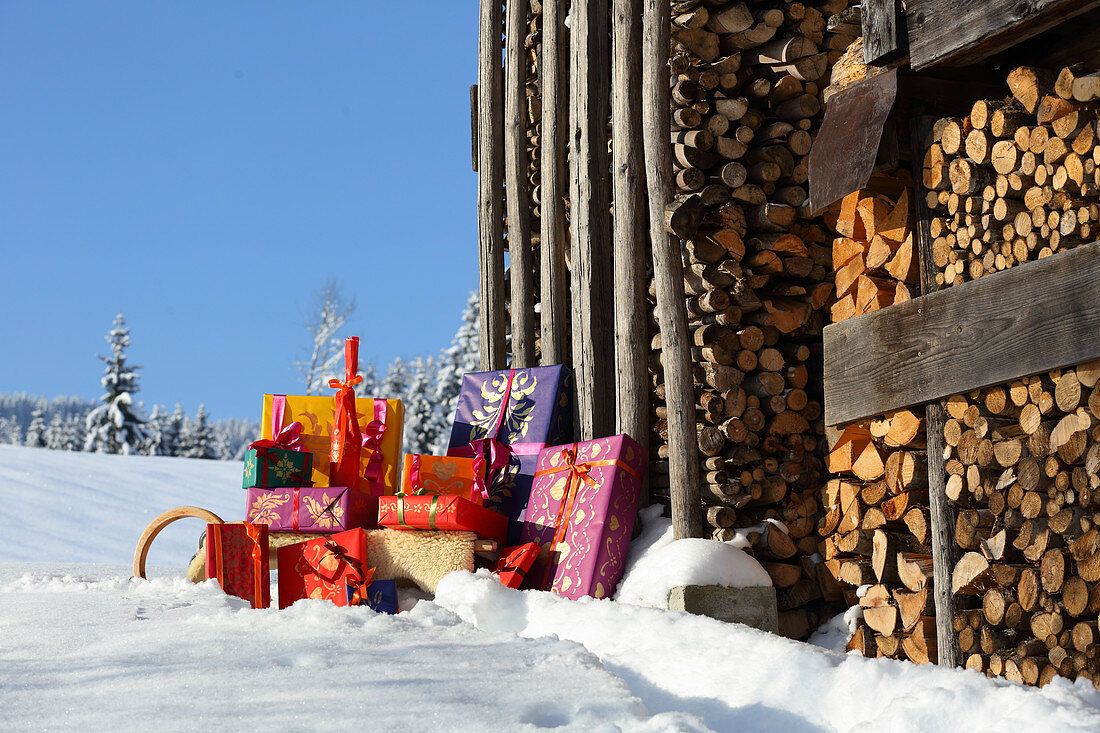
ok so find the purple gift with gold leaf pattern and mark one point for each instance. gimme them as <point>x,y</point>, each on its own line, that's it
<point>312,509</point>
<point>581,513</point>
<point>508,417</point>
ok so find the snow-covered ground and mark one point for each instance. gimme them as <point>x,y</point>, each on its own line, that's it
<point>84,647</point>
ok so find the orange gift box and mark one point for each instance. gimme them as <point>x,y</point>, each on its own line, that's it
<point>323,568</point>
<point>442,475</point>
<point>316,414</point>
<point>451,513</point>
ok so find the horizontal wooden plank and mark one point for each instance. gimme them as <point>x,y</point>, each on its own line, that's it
<point>962,32</point>
<point>1032,318</point>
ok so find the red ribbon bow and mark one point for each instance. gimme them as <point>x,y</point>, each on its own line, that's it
<point>372,440</point>
<point>355,566</point>
<point>347,440</point>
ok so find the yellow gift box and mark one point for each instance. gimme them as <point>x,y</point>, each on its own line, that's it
<point>315,413</point>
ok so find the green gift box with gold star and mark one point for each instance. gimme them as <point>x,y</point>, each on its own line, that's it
<point>269,468</point>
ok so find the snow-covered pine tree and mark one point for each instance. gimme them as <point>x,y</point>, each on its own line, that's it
<point>75,432</point>
<point>170,432</point>
<point>10,431</point>
<point>369,386</point>
<point>55,435</point>
<point>115,425</point>
<point>395,384</point>
<point>36,431</point>
<point>420,407</point>
<point>155,427</point>
<point>461,357</point>
<point>331,309</point>
<point>196,440</point>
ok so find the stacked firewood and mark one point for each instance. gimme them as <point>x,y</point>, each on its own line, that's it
<point>1023,467</point>
<point>874,256</point>
<point>745,92</point>
<point>1017,179</point>
<point>875,534</point>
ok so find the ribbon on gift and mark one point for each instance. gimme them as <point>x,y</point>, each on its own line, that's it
<point>214,536</point>
<point>288,437</point>
<point>326,510</point>
<point>433,510</point>
<point>372,441</point>
<point>517,561</point>
<point>347,439</point>
<point>333,548</point>
<point>500,454</point>
<point>579,472</point>
<point>358,594</point>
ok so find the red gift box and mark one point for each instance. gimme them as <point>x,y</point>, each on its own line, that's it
<point>323,568</point>
<point>452,513</point>
<point>514,563</point>
<point>236,555</point>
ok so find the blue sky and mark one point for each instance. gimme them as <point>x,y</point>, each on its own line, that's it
<point>202,166</point>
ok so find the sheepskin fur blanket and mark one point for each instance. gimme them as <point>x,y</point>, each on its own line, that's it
<point>420,558</point>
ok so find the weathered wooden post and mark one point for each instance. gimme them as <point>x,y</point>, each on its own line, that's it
<point>687,519</point>
<point>629,234</point>
<point>941,515</point>
<point>593,359</point>
<point>490,186</point>
<point>521,277</point>
<point>554,234</point>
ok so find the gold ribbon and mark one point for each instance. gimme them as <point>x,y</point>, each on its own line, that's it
<point>432,511</point>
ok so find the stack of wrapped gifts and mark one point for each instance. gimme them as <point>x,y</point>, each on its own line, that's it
<point>324,486</point>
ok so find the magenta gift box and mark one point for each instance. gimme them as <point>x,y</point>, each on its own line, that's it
<point>587,494</point>
<point>312,509</point>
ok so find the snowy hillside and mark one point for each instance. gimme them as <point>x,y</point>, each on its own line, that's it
<point>84,507</point>
<point>84,647</point>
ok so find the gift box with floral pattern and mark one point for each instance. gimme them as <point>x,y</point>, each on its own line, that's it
<point>312,509</point>
<point>451,513</point>
<point>443,475</point>
<point>276,467</point>
<point>508,417</point>
<point>581,514</point>
<point>323,568</point>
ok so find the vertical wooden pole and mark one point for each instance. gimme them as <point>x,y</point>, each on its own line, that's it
<point>593,335</point>
<point>941,515</point>
<point>490,186</point>
<point>668,266</point>
<point>554,234</point>
<point>629,235</point>
<point>521,276</point>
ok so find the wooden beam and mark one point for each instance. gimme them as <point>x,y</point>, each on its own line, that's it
<point>1032,318</point>
<point>490,186</point>
<point>521,279</point>
<point>554,234</point>
<point>589,194</point>
<point>963,32</point>
<point>668,274</point>
<point>473,127</point>
<point>629,234</point>
<point>941,515</point>
<point>881,41</point>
